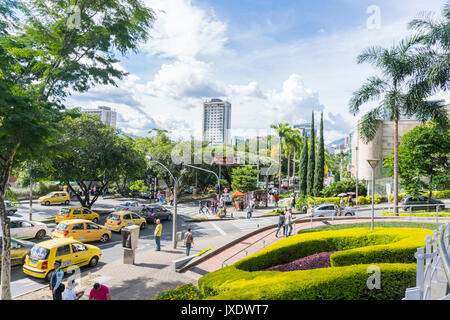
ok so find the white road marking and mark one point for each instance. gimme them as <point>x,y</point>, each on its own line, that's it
<point>218,229</point>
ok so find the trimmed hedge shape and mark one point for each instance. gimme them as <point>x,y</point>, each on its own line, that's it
<point>338,283</point>
<point>392,249</point>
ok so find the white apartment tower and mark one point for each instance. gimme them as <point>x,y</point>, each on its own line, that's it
<point>217,122</point>
<point>107,115</point>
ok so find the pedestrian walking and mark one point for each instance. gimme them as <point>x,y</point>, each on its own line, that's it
<point>288,223</point>
<point>56,285</point>
<point>69,293</point>
<point>280,223</point>
<point>276,200</point>
<point>292,204</point>
<point>251,206</point>
<point>99,292</point>
<point>188,241</point>
<point>157,234</point>
<point>214,206</point>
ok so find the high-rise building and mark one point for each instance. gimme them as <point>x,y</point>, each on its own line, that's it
<point>106,114</point>
<point>217,122</point>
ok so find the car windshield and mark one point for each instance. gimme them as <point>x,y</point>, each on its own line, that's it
<point>114,217</point>
<point>39,253</point>
<point>64,211</point>
<point>61,227</point>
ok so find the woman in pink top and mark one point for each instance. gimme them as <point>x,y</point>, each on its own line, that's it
<point>99,292</point>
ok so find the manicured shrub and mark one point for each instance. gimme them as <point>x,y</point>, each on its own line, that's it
<point>184,292</point>
<point>392,249</point>
<point>336,283</point>
<point>315,261</point>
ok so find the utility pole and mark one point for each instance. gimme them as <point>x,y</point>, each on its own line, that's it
<point>31,195</point>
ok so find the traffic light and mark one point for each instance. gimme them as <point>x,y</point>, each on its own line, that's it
<point>276,180</point>
<point>217,189</point>
<point>180,166</point>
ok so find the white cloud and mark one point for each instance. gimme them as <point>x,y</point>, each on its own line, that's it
<point>182,29</point>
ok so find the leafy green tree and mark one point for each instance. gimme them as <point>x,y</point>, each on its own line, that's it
<point>311,160</point>
<point>91,153</point>
<point>393,91</point>
<point>344,186</point>
<point>244,179</point>
<point>423,158</point>
<point>283,130</point>
<point>320,162</point>
<point>303,171</point>
<point>41,57</point>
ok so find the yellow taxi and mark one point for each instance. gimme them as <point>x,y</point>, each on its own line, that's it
<point>77,213</point>
<point>57,197</point>
<point>81,230</point>
<point>119,219</point>
<point>41,258</point>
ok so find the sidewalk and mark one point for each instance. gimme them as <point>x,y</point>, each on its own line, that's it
<point>151,274</point>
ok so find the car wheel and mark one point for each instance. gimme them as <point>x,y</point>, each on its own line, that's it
<point>67,202</point>
<point>348,214</point>
<point>104,238</point>
<point>143,225</point>
<point>47,203</point>
<point>93,261</point>
<point>95,220</point>
<point>9,213</point>
<point>40,234</point>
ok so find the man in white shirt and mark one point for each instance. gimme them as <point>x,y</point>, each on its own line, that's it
<point>288,223</point>
<point>70,294</point>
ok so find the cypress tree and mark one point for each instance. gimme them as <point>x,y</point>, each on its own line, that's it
<point>303,170</point>
<point>311,160</point>
<point>320,162</point>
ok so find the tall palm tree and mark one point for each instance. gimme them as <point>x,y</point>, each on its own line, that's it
<point>282,129</point>
<point>297,143</point>
<point>393,92</point>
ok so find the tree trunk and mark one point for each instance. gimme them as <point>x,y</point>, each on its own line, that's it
<point>395,167</point>
<point>293,174</point>
<point>5,222</point>
<point>289,172</point>
<point>279,172</point>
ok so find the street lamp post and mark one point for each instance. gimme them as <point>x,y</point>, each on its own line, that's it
<point>31,196</point>
<point>373,163</point>
<point>175,184</point>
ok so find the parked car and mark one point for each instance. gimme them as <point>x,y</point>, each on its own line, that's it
<point>10,208</point>
<point>420,202</point>
<point>189,190</point>
<point>327,210</point>
<point>119,219</point>
<point>19,249</point>
<point>24,229</point>
<point>77,213</point>
<point>154,212</point>
<point>81,230</point>
<point>41,258</point>
<point>57,197</point>
<point>133,206</point>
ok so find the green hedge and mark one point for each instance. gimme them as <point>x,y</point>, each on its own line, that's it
<point>338,283</point>
<point>391,248</point>
<point>368,199</point>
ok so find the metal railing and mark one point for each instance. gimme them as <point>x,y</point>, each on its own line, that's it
<point>261,240</point>
<point>431,261</point>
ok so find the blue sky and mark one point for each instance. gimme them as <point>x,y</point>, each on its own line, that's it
<point>273,60</point>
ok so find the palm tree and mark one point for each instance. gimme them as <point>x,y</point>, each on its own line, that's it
<point>297,143</point>
<point>393,92</point>
<point>282,129</point>
<point>434,34</point>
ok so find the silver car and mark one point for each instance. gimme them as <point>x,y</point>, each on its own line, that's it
<point>133,206</point>
<point>328,210</point>
<point>10,208</point>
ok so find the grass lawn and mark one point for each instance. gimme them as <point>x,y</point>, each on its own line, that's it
<point>385,224</point>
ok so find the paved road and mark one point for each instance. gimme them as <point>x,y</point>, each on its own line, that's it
<point>113,249</point>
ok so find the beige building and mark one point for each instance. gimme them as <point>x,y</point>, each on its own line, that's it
<point>379,148</point>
